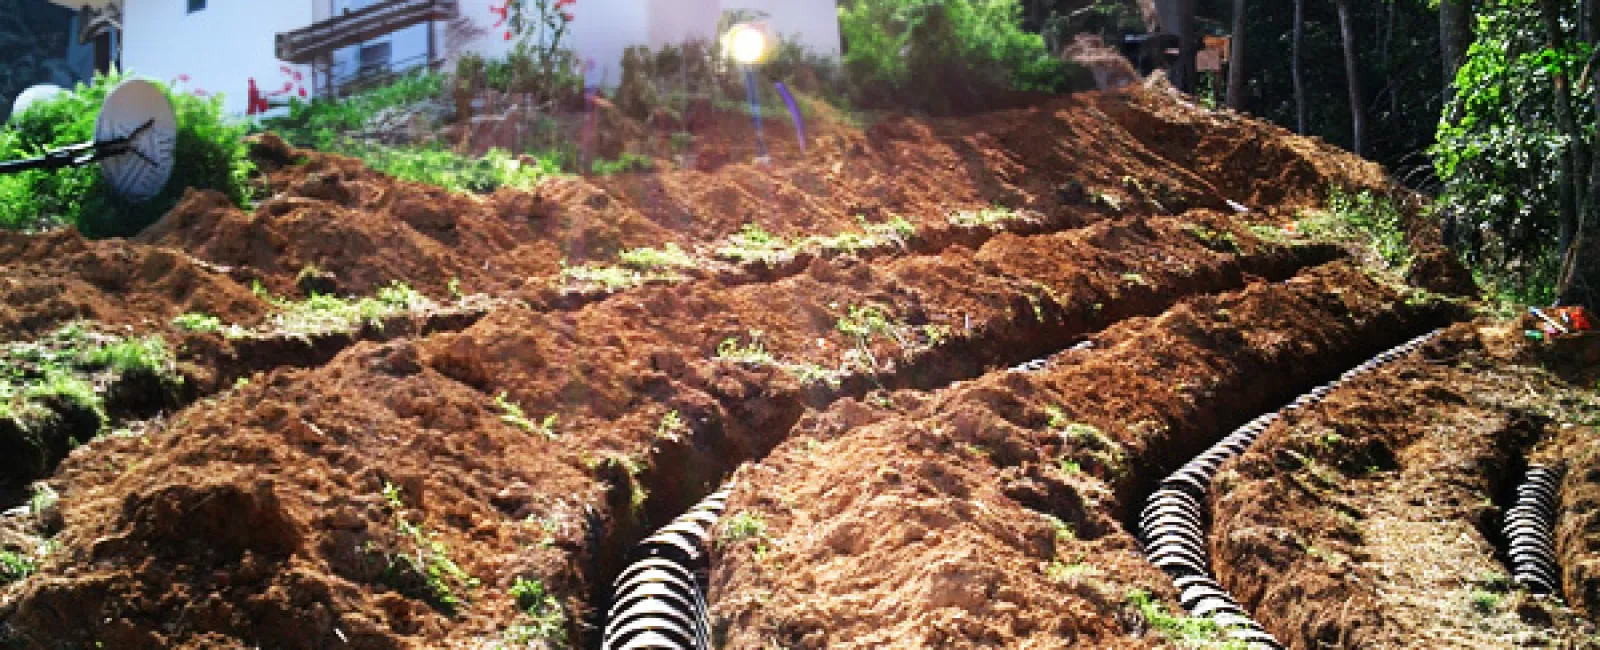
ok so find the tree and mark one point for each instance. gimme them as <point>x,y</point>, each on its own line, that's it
<point>1296,69</point>
<point>1455,33</point>
<point>1236,65</point>
<point>1358,107</point>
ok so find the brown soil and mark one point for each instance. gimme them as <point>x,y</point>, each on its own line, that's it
<point>49,279</point>
<point>1371,519</point>
<point>256,517</point>
<point>923,524</point>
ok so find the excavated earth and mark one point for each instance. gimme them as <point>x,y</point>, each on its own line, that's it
<point>1373,519</point>
<point>898,485</point>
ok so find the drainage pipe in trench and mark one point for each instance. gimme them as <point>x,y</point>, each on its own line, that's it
<point>659,601</point>
<point>1530,531</point>
<point>1172,523</point>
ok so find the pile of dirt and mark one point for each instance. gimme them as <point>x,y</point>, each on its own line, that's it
<point>539,442</point>
<point>1372,519</point>
<point>1012,487</point>
<point>49,279</point>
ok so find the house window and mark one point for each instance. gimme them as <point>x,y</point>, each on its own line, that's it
<point>374,57</point>
<point>196,5</point>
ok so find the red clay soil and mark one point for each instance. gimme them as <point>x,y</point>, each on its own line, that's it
<point>922,524</point>
<point>1370,520</point>
<point>248,519</point>
<point>52,278</point>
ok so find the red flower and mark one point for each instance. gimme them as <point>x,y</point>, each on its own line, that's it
<point>302,92</point>
<point>567,16</point>
<point>508,35</point>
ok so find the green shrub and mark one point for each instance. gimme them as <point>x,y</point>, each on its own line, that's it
<point>942,55</point>
<point>320,122</point>
<point>210,152</point>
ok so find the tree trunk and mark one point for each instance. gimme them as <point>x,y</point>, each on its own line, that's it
<point>1358,107</point>
<point>1295,67</point>
<point>1236,67</point>
<point>1573,165</point>
<point>1455,33</point>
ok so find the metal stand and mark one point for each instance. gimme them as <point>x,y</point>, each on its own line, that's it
<point>81,154</point>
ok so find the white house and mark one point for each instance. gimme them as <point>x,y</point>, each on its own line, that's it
<point>225,46</point>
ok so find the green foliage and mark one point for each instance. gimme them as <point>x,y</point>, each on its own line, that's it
<point>754,353</point>
<point>147,354</point>
<point>657,259</point>
<point>515,416</point>
<point>742,526</point>
<point>320,122</point>
<point>447,169</point>
<point>210,154</point>
<point>420,565</point>
<point>1485,602</point>
<point>941,55</point>
<point>547,620</point>
<point>1187,631</point>
<point>198,322</point>
<point>1363,218</point>
<point>325,314</point>
<point>15,566</point>
<point>754,244</point>
<point>628,162</point>
<point>1499,149</point>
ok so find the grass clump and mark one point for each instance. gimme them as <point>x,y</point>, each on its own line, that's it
<point>1191,632</point>
<point>515,416</point>
<point>754,353</point>
<point>546,619</point>
<point>742,526</point>
<point>1365,218</point>
<point>210,154</point>
<point>754,244</point>
<point>16,566</point>
<point>420,565</point>
<point>992,217</point>
<point>896,232</point>
<point>198,322</point>
<point>327,314</point>
<point>672,427</point>
<point>146,354</point>
<point>657,259</point>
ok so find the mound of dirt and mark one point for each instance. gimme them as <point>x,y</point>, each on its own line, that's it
<point>1372,519</point>
<point>990,512</point>
<point>264,517</point>
<point>49,279</point>
<point>357,502</point>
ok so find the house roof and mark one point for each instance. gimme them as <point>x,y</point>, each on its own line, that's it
<point>78,4</point>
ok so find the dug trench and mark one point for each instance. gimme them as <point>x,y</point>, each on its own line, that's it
<point>1031,546</point>
<point>328,436</point>
<point>1072,284</point>
<point>1374,518</point>
<point>273,497</point>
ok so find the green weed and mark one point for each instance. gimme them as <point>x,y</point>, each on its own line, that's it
<point>993,217</point>
<point>515,416</point>
<point>197,322</point>
<point>657,259</point>
<point>1188,631</point>
<point>148,354</point>
<point>547,620</point>
<point>754,353</point>
<point>672,427</point>
<point>1485,602</point>
<point>754,244</point>
<point>421,558</point>
<point>16,566</point>
<point>742,526</point>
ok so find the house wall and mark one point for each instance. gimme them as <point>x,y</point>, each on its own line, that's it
<point>219,48</point>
